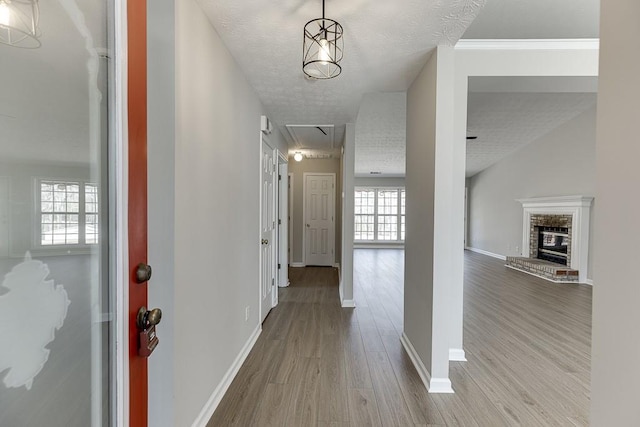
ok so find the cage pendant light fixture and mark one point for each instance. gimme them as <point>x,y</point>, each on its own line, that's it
<point>322,48</point>
<point>19,23</point>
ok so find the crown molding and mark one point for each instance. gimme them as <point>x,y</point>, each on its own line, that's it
<point>528,44</point>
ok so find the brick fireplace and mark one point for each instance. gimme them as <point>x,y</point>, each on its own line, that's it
<point>563,223</point>
<point>560,224</point>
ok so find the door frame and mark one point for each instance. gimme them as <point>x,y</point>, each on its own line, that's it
<point>119,201</point>
<point>290,216</point>
<point>304,214</point>
<point>264,139</point>
<point>283,222</point>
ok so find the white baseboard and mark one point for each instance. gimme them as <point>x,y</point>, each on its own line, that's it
<point>378,246</point>
<point>425,376</point>
<point>348,303</point>
<point>217,395</point>
<point>433,385</point>
<point>297,264</point>
<point>589,282</point>
<point>457,355</point>
<point>281,285</point>
<point>483,252</point>
<point>440,385</point>
<point>336,265</point>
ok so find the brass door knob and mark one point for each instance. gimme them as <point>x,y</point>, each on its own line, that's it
<point>143,273</point>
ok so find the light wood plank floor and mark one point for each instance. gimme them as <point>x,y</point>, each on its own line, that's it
<point>316,364</point>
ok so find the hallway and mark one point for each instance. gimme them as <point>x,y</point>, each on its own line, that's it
<point>316,364</point>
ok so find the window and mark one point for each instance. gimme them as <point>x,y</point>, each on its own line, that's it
<point>68,213</point>
<point>379,214</point>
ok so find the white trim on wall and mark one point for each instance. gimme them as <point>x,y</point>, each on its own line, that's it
<point>290,218</point>
<point>483,252</point>
<point>371,245</point>
<point>457,355</point>
<point>527,44</point>
<point>433,385</point>
<point>214,400</point>
<point>119,202</point>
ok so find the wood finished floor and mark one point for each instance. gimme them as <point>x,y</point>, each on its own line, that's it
<point>527,342</point>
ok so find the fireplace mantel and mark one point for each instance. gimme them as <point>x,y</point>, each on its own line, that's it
<point>576,206</point>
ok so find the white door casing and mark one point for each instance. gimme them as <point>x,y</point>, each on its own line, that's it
<point>283,222</point>
<point>319,219</point>
<point>267,228</point>
<point>290,217</point>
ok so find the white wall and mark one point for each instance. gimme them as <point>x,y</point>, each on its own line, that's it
<point>204,192</point>
<point>561,163</point>
<point>298,169</point>
<point>615,346</point>
<point>379,182</point>
<point>428,189</point>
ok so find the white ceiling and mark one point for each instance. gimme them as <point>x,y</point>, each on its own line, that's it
<point>386,44</point>
<point>536,19</point>
<point>381,134</point>
<point>506,121</point>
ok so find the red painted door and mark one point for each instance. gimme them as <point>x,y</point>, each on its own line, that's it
<point>137,200</point>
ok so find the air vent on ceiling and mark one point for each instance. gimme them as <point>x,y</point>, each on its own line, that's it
<point>375,173</point>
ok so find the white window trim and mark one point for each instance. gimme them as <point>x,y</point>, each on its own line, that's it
<point>376,241</point>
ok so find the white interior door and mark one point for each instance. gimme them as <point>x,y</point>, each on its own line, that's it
<point>319,219</point>
<point>267,229</point>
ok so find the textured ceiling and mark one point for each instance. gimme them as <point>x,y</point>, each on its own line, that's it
<point>381,134</point>
<point>386,44</point>
<point>536,19</point>
<point>505,122</point>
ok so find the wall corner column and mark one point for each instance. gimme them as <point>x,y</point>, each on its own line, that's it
<point>348,165</point>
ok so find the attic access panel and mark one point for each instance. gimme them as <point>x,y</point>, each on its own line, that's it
<point>312,137</point>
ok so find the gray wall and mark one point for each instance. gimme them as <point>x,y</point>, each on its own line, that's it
<point>298,169</point>
<point>161,112</point>
<point>615,347</point>
<point>204,164</point>
<point>559,164</point>
<point>420,192</point>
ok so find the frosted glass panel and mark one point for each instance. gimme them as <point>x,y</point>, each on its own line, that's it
<point>55,310</point>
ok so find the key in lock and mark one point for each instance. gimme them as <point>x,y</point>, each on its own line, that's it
<point>147,321</point>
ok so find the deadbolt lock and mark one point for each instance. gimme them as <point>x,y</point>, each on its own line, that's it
<point>147,321</point>
<point>149,318</point>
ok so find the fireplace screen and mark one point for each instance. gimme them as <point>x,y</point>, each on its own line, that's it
<point>553,244</point>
